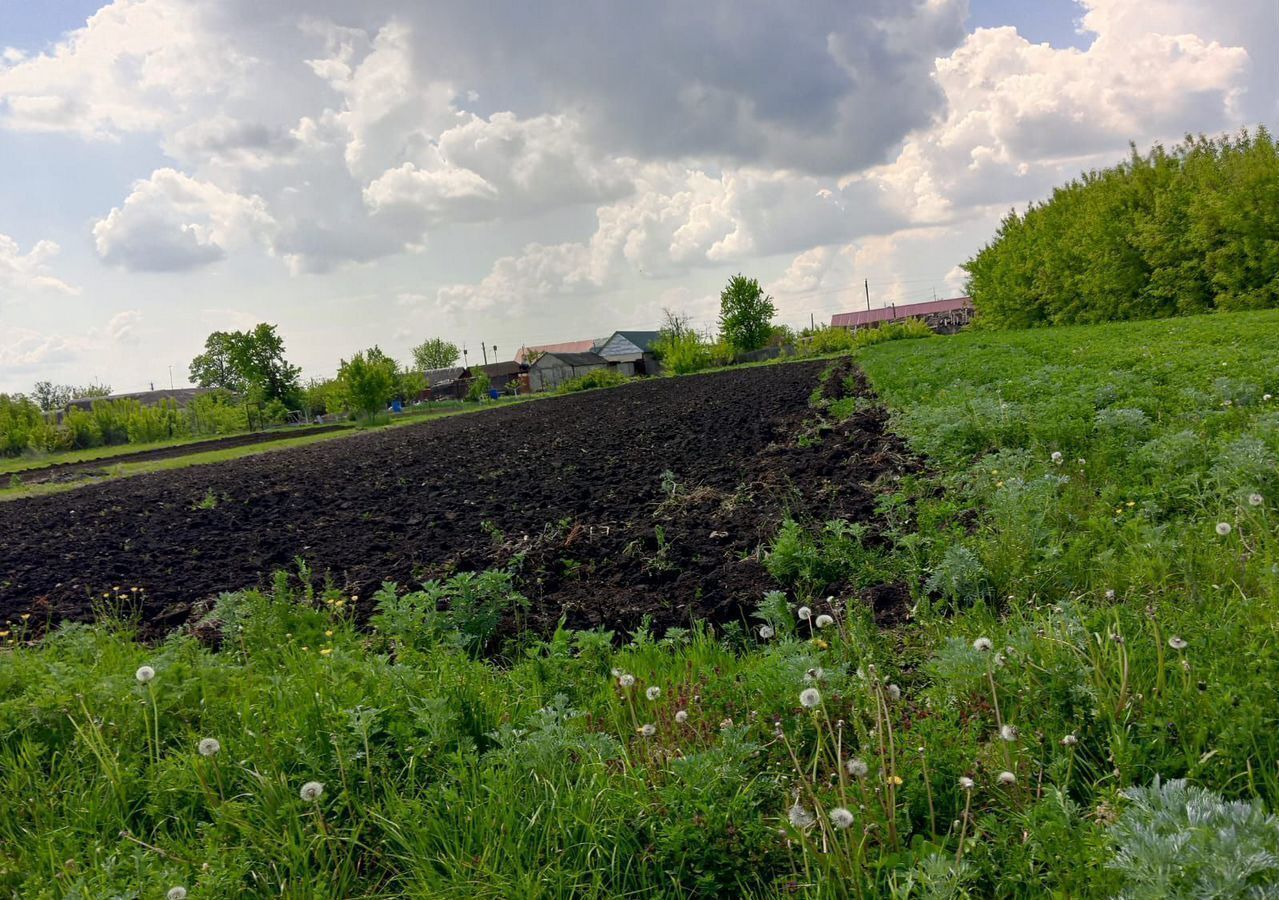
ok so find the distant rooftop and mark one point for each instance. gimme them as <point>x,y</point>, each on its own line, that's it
<point>562,347</point>
<point>905,311</point>
<point>181,396</point>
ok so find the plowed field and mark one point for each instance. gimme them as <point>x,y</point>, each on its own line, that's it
<point>650,499</point>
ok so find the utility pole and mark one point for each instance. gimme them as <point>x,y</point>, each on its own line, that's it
<point>170,377</point>
<point>867,284</point>
<point>484,350</point>
<point>812,323</point>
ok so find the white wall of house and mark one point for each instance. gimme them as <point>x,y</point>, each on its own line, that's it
<point>619,349</point>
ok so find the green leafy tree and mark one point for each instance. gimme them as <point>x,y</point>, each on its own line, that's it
<point>435,353</point>
<point>49,396</point>
<point>215,367</point>
<point>479,388</point>
<point>1171,232</point>
<point>248,361</point>
<point>745,314</point>
<point>368,381</point>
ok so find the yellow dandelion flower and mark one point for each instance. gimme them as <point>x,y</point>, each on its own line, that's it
<point>4,633</point>
<point>326,651</point>
<point>329,633</point>
<point>305,647</point>
<point>25,616</point>
<point>1131,503</point>
<point>895,780</point>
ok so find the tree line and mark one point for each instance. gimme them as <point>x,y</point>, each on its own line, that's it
<point>1172,232</point>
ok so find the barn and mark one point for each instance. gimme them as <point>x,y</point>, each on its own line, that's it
<point>942,316</point>
<point>632,352</point>
<point>550,370</point>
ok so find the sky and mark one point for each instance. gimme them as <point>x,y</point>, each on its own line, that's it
<point>504,173</point>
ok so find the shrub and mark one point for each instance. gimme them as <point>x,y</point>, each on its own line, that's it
<point>597,378</point>
<point>479,389</point>
<point>1177,840</point>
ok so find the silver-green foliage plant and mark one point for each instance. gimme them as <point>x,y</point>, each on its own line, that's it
<point>1179,840</point>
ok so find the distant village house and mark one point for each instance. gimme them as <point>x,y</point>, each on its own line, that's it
<point>942,316</point>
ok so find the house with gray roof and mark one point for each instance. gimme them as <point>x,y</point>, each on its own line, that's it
<point>550,370</point>
<point>632,352</point>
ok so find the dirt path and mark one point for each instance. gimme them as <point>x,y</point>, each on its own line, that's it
<point>572,487</point>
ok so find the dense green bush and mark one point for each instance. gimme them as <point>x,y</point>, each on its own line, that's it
<point>1173,232</point>
<point>596,378</point>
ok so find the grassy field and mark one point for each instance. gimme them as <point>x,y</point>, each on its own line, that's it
<point>1096,573</point>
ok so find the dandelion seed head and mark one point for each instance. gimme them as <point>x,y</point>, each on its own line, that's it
<point>1057,458</point>
<point>648,729</point>
<point>804,613</point>
<point>1007,778</point>
<point>177,892</point>
<point>966,783</point>
<point>841,818</point>
<point>824,621</point>
<point>810,698</point>
<point>653,692</point>
<point>1177,643</point>
<point>894,692</point>
<point>857,767</point>
<point>983,644</point>
<point>311,791</point>
<point>626,679</point>
<point>766,631</point>
<point>1223,528</point>
<point>725,723</point>
<point>681,716</point>
<point>1008,732</point>
<point>1256,499</point>
<point>1110,593</point>
<point>1069,740</point>
<point>209,747</point>
<point>800,817</point>
<point>144,674</point>
<point>815,674</point>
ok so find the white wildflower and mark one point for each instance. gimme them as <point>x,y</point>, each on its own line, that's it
<point>824,621</point>
<point>982,644</point>
<point>653,693</point>
<point>1057,457</point>
<point>1110,593</point>
<point>804,613</point>
<point>800,817</point>
<point>209,747</point>
<point>1223,528</point>
<point>810,698</point>
<point>1069,740</point>
<point>857,767</point>
<point>841,818</point>
<point>1007,778</point>
<point>144,674</point>
<point>311,791</point>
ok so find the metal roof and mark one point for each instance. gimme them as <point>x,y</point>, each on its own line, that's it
<point>641,339</point>
<point>573,359</point>
<point>564,346</point>
<point>908,311</point>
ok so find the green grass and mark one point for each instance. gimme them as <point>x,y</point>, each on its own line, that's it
<point>1128,644</point>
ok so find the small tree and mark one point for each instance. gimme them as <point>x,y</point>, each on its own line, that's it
<point>368,381</point>
<point>435,353</point>
<point>745,314</point>
<point>479,388</point>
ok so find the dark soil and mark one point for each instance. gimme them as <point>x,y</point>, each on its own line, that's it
<point>569,490</point>
<point>90,468</point>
